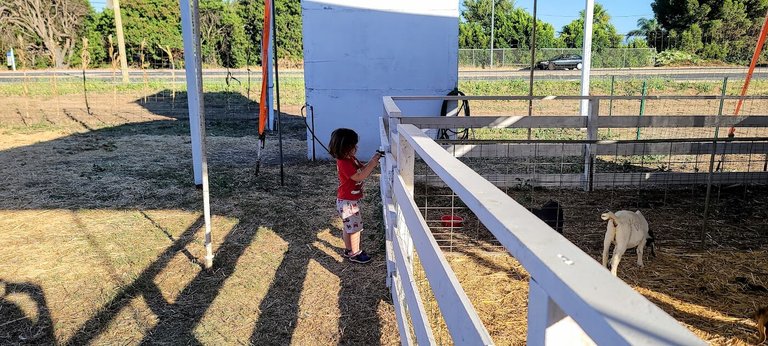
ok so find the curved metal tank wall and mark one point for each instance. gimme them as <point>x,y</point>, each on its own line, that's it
<point>356,52</point>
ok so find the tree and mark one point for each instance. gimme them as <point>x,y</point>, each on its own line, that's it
<point>603,32</point>
<point>288,23</point>
<point>691,39</point>
<point>223,40</point>
<point>513,27</point>
<point>734,31</point>
<point>54,23</point>
<point>156,21</point>
<point>96,28</point>
<point>679,14</point>
<point>6,37</point>
<point>729,27</point>
<point>471,35</point>
<point>650,29</point>
<point>637,43</point>
<point>234,45</point>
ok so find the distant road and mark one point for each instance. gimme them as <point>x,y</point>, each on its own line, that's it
<point>682,73</point>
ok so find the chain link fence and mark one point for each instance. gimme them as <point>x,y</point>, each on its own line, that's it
<point>521,57</point>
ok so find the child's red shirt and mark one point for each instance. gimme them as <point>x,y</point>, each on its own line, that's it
<point>348,188</point>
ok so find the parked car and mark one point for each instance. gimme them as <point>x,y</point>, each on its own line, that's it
<point>561,62</point>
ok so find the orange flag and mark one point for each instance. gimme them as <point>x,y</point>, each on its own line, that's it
<point>265,56</point>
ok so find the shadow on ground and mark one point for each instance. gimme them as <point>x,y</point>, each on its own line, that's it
<point>141,164</point>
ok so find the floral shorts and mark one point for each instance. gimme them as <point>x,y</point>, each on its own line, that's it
<point>349,211</point>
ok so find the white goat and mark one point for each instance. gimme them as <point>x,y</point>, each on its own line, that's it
<point>627,230</point>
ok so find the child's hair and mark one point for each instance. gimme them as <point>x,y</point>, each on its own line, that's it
<point>342,142</point>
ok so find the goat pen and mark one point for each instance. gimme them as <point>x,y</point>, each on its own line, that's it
<point>703,194</point>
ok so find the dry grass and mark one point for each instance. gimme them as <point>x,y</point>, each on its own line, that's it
<point>102,232</point>
<point>102,238</point>
<point>710,289</point>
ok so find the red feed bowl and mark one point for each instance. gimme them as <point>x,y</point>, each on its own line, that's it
<point>452,220</point>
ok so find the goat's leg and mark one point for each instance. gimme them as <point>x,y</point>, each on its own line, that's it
<point>618,251</point>
<point>610,233</point>
<point>640,248</point>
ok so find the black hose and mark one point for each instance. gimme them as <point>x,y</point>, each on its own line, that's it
<point>311,131</point>
<point>464,106</point>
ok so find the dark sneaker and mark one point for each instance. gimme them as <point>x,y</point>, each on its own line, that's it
<point>346,253</point>
<point>361,257</point>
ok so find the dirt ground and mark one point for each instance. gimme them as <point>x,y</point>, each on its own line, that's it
<point>712,289</point>
<point>102,236</point>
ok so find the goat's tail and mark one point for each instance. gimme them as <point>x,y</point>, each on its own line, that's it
<point>652,242</point>
<point>608,216</point>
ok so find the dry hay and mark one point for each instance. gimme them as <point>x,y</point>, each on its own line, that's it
<point>103,238</point>
<point>712,293</point>
<point>710,289</point>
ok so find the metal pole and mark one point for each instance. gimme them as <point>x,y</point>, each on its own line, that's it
<point>277,92</point>
<point>201,110</point>
<point>624,62</point>
<point>610,102</point>
<point>642,107</point>
<point>503,58</point>
<point>712,161</point>
<point>533,63</point>
<point>312,110</point>
<point>586,55</point>
<point>493,18</point>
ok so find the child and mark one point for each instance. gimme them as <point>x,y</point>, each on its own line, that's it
<point>343,147</point>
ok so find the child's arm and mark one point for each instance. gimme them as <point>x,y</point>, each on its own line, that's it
<point>367,169</point>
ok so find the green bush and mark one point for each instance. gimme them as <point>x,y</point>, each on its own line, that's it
<point>676,57</point>
<point>714,51</point>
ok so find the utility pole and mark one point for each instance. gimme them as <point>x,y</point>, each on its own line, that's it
<point>533,66</point>
<point>493,13</point>
<point>589,11</point>
<point>120,40</point>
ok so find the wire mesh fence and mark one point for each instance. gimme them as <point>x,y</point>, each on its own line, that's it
<point>731,214</point>
<point>521,57</point>
<point>687,171</point>
<point>67,99</point>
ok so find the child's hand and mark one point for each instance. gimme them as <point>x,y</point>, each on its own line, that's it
<point>376,156</point>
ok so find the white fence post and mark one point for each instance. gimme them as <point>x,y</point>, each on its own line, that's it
<point>385,185</point>
<point>405,161</point>
<point>393,119</point>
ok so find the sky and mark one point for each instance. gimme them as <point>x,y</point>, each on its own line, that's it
<point>624,13</point>
<point>98,5</point>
